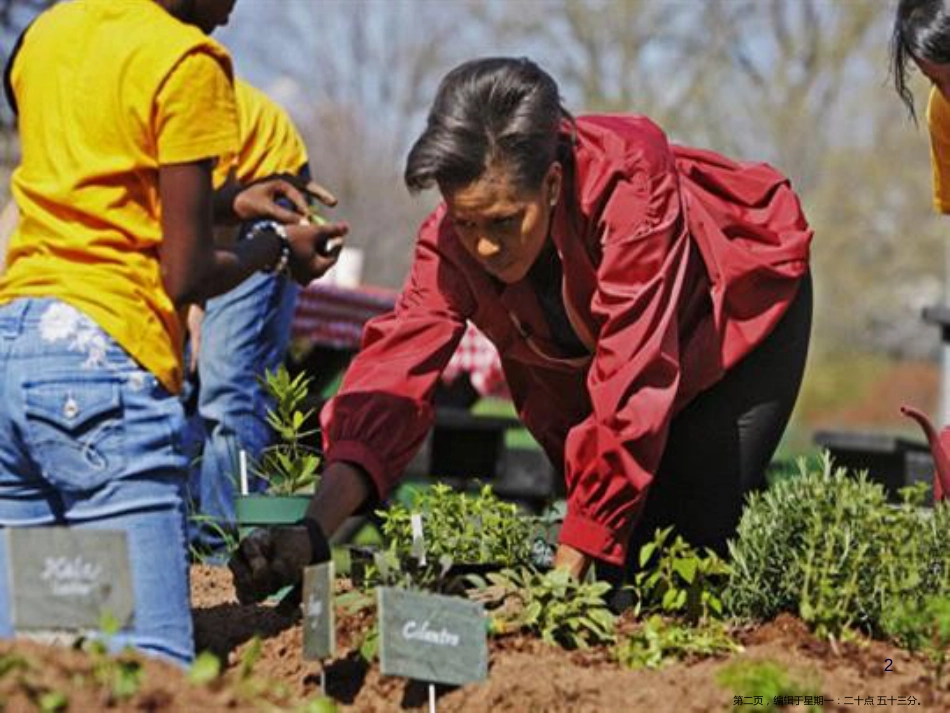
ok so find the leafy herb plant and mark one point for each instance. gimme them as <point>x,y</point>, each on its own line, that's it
<point>771,683</point>
<point>675,578</point>
<point>660,641</point>
<point>553,605</point>
<point>828,546</point>
<point>923,625</point>
<point>290,465</point>
<point>470,529</point>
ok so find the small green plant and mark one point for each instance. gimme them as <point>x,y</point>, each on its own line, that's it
<point>205,669</point>
<point>323,704</point>
<point>828,546</point>
<point>553,605</point>
<point>676,579</point>
<point>388,570</point>
<point>120,674</point>
<point>53,702</point>
<point>658,642</point>
<point>923,625</point>
<point>768,685</point>
<point>470,529</point>
<point>45,699</point>
<point>290,465</point>
<point>227,536</point>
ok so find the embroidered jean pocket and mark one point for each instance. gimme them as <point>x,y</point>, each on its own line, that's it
<point>76,432</point>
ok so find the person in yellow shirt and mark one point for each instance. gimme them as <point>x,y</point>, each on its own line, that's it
<point>938,122</point>
<point>123,108</point>
<point>243,334</point>
<point>921,39</point>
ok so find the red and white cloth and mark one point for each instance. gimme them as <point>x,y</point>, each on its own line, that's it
<point>477,357</point>
<point>331,316</point>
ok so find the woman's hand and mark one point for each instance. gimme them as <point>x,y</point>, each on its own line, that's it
<point>268,559</point>
<point>574,561</point>
<point>273,557</point>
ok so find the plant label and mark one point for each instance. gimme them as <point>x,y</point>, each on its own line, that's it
<point>418,547</point>
<point>67,579</point>
<point>319,632</point>
<point>431,637</point>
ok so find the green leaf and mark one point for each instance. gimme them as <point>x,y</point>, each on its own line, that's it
<point>53,702</point>
<point>205,669</point>
<point>646,552</point>
<point>686,568</point>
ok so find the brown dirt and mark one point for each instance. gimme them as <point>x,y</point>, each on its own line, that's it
<point>525,674</point>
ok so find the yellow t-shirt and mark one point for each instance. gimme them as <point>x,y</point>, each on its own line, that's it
<point>270,143</point>
<point>109,90</point>
<point>938,120</point>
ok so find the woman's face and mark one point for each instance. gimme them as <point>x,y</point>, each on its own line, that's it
<point>501,225</point>
<point>939,74</point>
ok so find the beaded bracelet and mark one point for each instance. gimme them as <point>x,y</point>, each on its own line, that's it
<point>283,260</point>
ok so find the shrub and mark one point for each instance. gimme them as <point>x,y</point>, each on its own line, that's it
<point>830,548</point>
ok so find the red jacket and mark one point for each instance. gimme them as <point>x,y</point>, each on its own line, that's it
<point>677,262</point>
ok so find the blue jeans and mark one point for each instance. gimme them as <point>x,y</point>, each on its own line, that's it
<point>245,332</point>
<point>92,440</point>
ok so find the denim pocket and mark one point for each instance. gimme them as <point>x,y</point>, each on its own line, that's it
<point>75,429</point>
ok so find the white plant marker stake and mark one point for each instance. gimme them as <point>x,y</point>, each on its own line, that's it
<point>242,459</point>
<point>323,680</point>
<point>418,537</point>
<point>419,545</point>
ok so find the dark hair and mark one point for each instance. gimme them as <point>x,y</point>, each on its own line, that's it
<point>494,110</point>
<point>921,31</point>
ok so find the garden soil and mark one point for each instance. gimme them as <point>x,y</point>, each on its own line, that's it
<point>524,674</point>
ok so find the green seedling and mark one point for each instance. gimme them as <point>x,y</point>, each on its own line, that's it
<point>658,642</point>
<point>769,681</point>
<point>205,669</point>
<point>290,466</point>
<point>676,579</point>
<point>553,605</point>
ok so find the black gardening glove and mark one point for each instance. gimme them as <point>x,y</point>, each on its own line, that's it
<point>272,557</point>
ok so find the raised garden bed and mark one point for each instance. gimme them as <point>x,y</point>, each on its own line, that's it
<point>554,647</point>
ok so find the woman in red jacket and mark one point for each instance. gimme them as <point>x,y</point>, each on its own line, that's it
<point>651,305</point>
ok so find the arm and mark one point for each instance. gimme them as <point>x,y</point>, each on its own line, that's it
<point>612,456</point>
<point>194,269</point>
<point>373,427</point>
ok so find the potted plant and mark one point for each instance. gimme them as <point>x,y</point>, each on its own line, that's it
<point>290,466</point>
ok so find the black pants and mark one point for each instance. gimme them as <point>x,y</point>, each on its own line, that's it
<point>721,443</point>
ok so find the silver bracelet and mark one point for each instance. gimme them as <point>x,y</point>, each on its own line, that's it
<point>283,260</point>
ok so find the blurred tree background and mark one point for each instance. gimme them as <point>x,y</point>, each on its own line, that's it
<point>802,84</point>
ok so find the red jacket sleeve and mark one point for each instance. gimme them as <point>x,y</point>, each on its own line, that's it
<point>611,456</point>
<point>383,410</point>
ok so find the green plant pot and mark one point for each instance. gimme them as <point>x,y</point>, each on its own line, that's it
<point>263,510</point>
